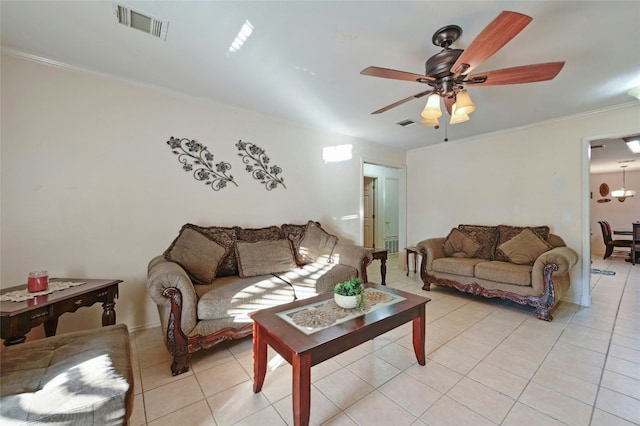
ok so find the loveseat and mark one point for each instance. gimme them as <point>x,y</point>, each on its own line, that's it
<point>527,265</point>
<point>210,278</point>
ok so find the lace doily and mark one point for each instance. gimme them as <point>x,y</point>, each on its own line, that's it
<point>22,295</point>
<point>330,312</point>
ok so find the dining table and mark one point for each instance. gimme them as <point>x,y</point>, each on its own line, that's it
<point>628,233</point>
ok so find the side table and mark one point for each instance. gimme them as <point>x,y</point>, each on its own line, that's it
<point>381,255</point>
<point>18,318</point>
<point>414,251</point>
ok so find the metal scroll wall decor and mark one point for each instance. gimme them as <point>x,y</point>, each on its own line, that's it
<point>196,157</point>
<point>258,165</point>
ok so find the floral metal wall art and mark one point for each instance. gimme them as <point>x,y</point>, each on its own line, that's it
<point>258,165</point>
<point>196,157</point>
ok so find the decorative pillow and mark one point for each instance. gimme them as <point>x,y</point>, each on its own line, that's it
<point>197,254</point>
<point>507,232</point>
<point>252,235</point>
<point>226,237</point>
<point>316,243</point>
<point>459,244</point>
<point>485,235</point>
<point>524,248</point>
<point>264,257</point>
<point>294,233</point>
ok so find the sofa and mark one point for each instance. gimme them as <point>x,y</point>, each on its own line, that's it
<point>527,265</point>
<point>78,378</point>
<point>210,278</point>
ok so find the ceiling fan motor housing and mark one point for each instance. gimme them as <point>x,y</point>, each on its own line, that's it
<point>439,65</point>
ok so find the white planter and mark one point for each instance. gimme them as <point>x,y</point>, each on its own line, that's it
<point>347,302</point>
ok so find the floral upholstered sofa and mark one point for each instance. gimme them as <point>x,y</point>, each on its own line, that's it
<point>527,265</point>
<point>210,278</point>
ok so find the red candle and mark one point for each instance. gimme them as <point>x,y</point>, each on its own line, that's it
<point>38,281</point>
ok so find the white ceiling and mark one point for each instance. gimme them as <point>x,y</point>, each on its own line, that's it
<point>304,58</point>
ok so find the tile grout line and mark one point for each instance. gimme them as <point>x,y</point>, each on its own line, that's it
<point>606,357</point>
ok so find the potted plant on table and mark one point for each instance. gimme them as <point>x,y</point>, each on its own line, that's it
<point>349,294</point>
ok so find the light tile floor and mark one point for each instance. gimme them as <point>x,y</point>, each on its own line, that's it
<point>490,362</point>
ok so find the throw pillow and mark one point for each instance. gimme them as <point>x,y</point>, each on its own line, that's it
<point>258,234</point>
<point>524,248</point>
<point>294,233</point>
<point>485,235</point>
<point>197,254</point>
<point>264,257</point>
<point>316,244</point>
<point>459,244</point>
<point>226,237</point>
<point>507,232</point>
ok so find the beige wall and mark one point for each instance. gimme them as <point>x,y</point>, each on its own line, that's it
<point>90,187</point>
<point>536,175</point>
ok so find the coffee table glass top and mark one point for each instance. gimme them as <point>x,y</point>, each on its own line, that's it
<point>319,315</point>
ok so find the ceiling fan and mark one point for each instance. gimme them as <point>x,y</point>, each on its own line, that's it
<point>447,72</point>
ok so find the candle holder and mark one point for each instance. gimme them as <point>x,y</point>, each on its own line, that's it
<point>38,281</point>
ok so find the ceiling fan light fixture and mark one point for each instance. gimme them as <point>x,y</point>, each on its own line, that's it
<point>464,103</point>
<point>432,108</point>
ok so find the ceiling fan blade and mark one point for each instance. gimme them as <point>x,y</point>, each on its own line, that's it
<point>518,75</point>
<point>400,102</point>
<point>495,35</point>
<point>395,74</point>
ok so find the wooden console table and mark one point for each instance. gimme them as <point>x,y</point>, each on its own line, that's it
<point>18,318</point>
<point>381,255</point>
<point>414,251</point>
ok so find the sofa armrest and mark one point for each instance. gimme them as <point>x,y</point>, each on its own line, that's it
<point>563,257</point>
<point>430,249</point>
<point>164,280</point>
<point>353,255</point>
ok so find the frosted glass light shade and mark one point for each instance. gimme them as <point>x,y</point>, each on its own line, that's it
<point>432,108</point>
<point>433,122</point>
<point>623,193</point>
<point>457,116</point>
<point>464,102</point>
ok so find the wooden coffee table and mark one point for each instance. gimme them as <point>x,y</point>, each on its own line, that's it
<point>303,350</point>
<point>20,317</point>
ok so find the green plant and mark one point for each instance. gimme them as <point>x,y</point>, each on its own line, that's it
<point>352,287</point>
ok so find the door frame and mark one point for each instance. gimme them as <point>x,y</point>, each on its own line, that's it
<point>585,298</point>
<point>402,199</point>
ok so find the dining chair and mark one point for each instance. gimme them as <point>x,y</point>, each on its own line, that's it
<point>635,245</point>
<point>610,243</point>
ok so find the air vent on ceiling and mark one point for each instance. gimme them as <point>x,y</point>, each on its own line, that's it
<point>406,123</point>
<point>626,161</point>
<point>141,21</point>
<point>598,146</point>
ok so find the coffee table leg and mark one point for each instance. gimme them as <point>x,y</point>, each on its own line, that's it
<point>419,331</point>
<point>259,358</point>
<point>301,389</point>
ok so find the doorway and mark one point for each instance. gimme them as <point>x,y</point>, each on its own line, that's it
<point>604,156</point>
<point>381,207</point>
<point>369,216</point>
